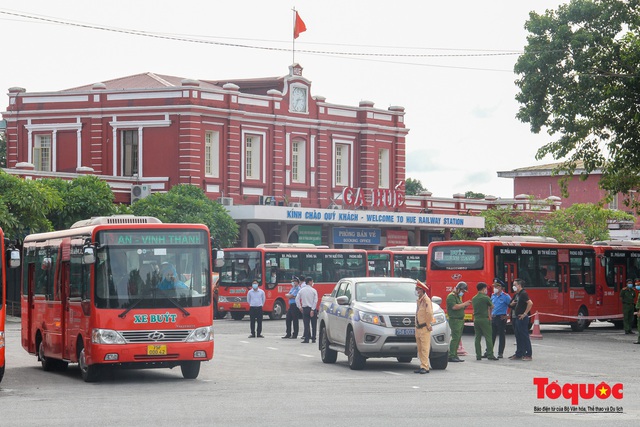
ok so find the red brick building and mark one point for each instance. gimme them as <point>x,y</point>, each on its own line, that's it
<point>539,182</point>
<point>285,163</point>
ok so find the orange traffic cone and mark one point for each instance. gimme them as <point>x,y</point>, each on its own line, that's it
<point>461,350</point>
<point>535,333</point>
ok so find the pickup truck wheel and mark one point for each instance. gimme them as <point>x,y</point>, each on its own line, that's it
<point>326,354</point>
<point>439,362</point>
<point>404,359</point>
<point>355,359</point>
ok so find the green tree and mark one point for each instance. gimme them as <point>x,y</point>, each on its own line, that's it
<point>582,223</point>
<point>473,195</point>
<point>579,78</point>
<point>189,204</point>
<point>502,221</point>
<point>25,206</point>
<point>413,187</point>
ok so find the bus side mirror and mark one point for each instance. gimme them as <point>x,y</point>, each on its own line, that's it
<point>88,255</point>
<point>218,257</point>
<point>14,258</point>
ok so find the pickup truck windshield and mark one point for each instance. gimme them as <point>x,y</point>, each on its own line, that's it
<point>371,292</point>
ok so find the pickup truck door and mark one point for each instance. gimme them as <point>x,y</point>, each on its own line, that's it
<point>342,315</point>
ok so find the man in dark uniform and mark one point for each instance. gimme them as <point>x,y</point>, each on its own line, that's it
<point>628,297</point>
<point>482,321</point>
<point>455,312</point>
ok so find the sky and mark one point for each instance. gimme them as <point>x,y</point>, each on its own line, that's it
<point>455,76</point>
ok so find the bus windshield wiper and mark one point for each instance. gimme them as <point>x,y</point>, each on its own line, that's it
<point>131,307</point>
<point>181,308</point>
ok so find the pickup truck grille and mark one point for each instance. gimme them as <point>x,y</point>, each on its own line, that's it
<point>400,322</point>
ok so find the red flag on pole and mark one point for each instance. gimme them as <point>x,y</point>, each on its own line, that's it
<point>298,27</point>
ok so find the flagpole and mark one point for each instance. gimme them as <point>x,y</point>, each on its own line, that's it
<point>293,46</point>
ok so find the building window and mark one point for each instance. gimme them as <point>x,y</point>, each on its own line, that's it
<point>42,153</point>
<point>252,157</point>
<point>383,168</point>
<point>298,161</point>
<point>613,205</point>
<point>129,152</point>
<point>342,164</point>
<point>211,154</point>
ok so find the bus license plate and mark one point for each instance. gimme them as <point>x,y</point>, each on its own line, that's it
<point>236,305</point>
<point>406,331</point>
<point>156,350</point>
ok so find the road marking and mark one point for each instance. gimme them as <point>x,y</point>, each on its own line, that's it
<point>272,348</point>
<point>392,373</point>
<point>415,386</point>
<point>306,355</point>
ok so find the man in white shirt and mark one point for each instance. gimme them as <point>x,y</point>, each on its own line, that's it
<point>256,299</point>
<point>307,300</point>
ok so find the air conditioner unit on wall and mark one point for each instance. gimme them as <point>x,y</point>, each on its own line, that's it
<point>225,201</point>
<point>295,204</point>
<point>139,191</point>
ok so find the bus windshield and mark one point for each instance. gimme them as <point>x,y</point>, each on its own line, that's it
<point>240,268</point>
<point>460,257</point>
<point>412,266</point>
<point>152,269</point>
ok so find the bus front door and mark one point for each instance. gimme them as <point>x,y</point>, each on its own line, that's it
<point>563,289</point>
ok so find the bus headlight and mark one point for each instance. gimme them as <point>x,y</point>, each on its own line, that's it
<point>106,336</point>
<point>372,318</point>
<point>222,299</point>
<point>439,318</point>
<point>201,334</point>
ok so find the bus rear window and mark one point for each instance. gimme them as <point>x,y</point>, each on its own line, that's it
<point>457,258</point>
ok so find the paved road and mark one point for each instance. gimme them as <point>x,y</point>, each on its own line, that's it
<point>270,381</point>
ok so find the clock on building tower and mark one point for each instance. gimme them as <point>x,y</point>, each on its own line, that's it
<point>299,99</point>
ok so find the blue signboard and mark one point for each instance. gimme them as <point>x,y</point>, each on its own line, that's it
<point>356,236</point>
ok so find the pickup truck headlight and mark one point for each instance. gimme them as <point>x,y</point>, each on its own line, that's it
<point>439,318</point>
<point>372,318</point>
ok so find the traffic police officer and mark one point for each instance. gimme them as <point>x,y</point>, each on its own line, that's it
<point>455,312</point>
<point>628,297</point>
<point>424,318</point>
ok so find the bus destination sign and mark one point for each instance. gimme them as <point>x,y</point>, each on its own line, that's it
<point>151,238</point>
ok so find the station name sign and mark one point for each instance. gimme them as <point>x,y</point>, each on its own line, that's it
<point>375,197</point>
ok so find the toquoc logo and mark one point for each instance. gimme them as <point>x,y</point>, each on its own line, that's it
<point>574,392</point>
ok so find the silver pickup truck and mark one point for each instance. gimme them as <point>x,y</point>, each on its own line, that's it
<point>375,317</point>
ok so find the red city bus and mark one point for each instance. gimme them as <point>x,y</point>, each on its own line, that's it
<point>120,291</point>
<point>399,261</point>
<point>11,259</point>
<point>274,265</point>
<point>562,280</point>
<point>619,260</point>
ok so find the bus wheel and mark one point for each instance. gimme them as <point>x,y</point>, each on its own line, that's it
<point>581,324</point>
<point>1,372</point>
<point>47,364</point>
<point>326,354</point>
<point>237,316</point>
<point>278,310</point>
<point>90,373</point>
<point>190,370</point>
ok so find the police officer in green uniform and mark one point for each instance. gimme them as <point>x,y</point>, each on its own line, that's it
<point>482,306</point>
<point>628,297</point>
<point>455,312</point>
